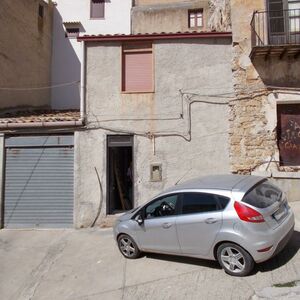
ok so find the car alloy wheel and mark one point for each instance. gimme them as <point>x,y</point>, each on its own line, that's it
<point>128,247</point>
<point>234,259</point>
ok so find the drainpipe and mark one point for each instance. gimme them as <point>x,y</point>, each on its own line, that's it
<point>8,125</point>
<point>1,178</point>
<point>82,83</point>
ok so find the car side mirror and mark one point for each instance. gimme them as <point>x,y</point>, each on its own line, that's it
<point>139,219</point>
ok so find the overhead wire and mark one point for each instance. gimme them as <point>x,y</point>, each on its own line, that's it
<point>39,88</point>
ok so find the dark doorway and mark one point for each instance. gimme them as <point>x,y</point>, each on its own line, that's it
<point>120,173</point>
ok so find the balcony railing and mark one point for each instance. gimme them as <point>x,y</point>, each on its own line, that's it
<point>276,28</point>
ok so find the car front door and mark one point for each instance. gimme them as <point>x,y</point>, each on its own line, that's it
<point>198,222</point>
<point>158,231</point>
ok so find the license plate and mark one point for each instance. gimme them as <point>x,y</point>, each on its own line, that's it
<point>280,213</point>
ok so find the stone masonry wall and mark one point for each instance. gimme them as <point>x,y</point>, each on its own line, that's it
<point>250,139</point>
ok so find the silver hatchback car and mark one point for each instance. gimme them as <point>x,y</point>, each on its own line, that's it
<point>237,220</point>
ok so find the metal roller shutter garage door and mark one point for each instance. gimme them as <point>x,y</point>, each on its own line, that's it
<point>39,176</point>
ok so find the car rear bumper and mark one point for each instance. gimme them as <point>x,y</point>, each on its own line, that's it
<point>284,242</point>
<point>277,239</point>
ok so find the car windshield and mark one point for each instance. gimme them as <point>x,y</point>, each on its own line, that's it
<point>263,195</point>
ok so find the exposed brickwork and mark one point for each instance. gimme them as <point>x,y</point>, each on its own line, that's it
<point>251,142</point>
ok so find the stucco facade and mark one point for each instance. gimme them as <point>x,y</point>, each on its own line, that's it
<point>67,54</point>
<point>25,53</point>
<point>182,126</point>
<point>150,16</point>
<point>261,84</point>
<point>160,16</point>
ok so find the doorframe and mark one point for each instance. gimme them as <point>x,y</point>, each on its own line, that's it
<point>131,136</point>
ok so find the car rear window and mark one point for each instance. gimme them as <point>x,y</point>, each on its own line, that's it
<point>263,195</point>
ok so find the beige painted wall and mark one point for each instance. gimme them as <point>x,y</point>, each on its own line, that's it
<point>166,16</point>
<point>25,53</point>
<point>110,112</point>
<point>150,2</point>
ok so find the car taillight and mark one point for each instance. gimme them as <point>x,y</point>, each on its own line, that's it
<point>248,214</point>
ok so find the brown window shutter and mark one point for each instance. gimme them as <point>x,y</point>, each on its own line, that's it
<point>97,9</point>
<point>138,71</point>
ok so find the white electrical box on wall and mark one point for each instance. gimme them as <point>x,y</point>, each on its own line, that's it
<point>156,172</point>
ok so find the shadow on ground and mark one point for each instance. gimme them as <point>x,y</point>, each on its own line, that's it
<point>274,263</point>
<point>184,260</point>
<point>283,257</point>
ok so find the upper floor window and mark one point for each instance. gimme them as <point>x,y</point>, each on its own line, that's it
<point>284,16</point>
<point>137,67</point>
<point>195,18</point>
<point>41,11</point>
<point>97,9</point>
<point>294,16</point>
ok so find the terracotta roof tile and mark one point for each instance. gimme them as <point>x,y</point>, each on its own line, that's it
<point>39,116</point>
<point>154,35</point>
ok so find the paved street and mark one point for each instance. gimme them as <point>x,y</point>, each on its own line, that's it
<point>86,264</point>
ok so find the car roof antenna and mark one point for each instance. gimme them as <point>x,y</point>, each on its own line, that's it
<point>184,176</point>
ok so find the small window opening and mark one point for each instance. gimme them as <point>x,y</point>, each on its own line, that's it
<point>196,18</point>
<point>156,172</point>
<point>97,9</point>
<point>72,32</point>
<point>41,11</point>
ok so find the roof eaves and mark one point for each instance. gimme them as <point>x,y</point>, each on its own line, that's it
<point>153,36</point>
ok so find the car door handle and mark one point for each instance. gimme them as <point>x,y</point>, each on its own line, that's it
<point>211,221</point>
<point>167,225</point>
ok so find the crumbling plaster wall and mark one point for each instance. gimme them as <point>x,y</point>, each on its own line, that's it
<point>194,66</point>
<point>247,115</point>
<point>25,53</point>
<point>253,114</point>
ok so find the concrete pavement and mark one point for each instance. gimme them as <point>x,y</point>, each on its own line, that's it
<point>86,265</point>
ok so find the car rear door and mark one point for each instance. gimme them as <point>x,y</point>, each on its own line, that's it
<point>198,222</point>
<point>158,232</point>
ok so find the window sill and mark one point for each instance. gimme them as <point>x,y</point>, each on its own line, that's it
<point>95,19</point>
<point>277,174</point>
<point>138,92</point>
<point>197,27</point>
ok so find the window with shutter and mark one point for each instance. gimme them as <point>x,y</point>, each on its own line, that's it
<point>97,9</point>
<point>276,17</point>
<point>137,67</point>
<point>195,18</point>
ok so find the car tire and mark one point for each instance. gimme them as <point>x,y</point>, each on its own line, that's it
<point>235,260</point>
<point>128,247</point>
